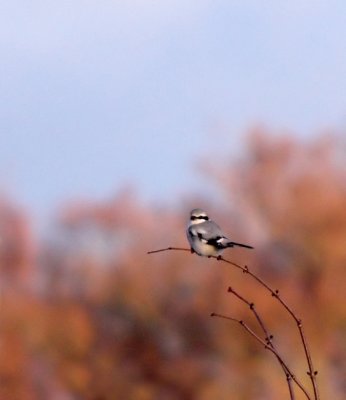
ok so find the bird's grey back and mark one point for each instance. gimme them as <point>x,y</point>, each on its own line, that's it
<point>209,229</point>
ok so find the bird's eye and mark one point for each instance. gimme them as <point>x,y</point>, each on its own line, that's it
<point>193,218</point>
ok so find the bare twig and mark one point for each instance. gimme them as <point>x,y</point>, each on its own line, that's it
<point>275,293</point>
<point>267,347</point>
<point>168,248</point>
<point>268,339</point>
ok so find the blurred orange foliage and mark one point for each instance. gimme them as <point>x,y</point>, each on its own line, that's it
<point>86,314</point>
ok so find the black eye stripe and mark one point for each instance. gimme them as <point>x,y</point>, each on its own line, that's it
<point>200,217</point>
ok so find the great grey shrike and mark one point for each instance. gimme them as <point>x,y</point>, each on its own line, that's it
<point>205,236</point>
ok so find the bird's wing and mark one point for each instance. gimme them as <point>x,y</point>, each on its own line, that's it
<point>209,231</point>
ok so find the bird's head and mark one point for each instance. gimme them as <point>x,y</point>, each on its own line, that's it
<point>198,216</point>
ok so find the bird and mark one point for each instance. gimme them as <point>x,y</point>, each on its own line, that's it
<point>206,237</point>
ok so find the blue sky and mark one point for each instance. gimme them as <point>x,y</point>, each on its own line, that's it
<point>95,95</point>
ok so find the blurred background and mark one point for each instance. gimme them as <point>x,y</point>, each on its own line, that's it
<point>117,118</point>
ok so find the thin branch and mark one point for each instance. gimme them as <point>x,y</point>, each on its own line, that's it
<point>168,248</point>
<point>275,293</point>
<point>268,338</point>
<point>267,347</point>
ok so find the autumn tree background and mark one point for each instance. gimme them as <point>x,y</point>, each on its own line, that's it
<point>86,314</point>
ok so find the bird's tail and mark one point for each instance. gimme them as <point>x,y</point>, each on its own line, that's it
<point>232,244</point>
